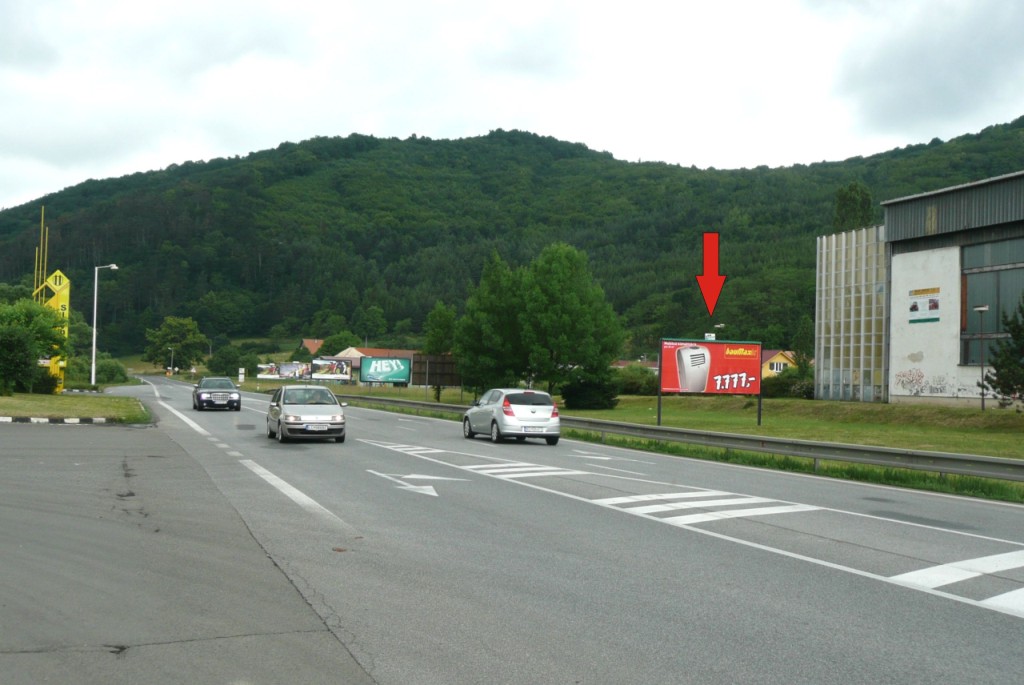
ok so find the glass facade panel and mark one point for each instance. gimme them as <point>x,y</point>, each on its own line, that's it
<point>851,310</point>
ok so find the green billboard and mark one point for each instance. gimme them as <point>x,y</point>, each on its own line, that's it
<point>385,370</point>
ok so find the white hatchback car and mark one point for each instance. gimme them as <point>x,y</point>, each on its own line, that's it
<point>513,413</point>
<point>305,411</point>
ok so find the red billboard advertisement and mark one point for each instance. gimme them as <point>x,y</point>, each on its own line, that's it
<point>710,366</point>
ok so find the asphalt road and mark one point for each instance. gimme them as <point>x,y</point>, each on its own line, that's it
<point>199,551</point>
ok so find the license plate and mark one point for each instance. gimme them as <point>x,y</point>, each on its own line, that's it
<point>533,429</point>
<point>317,426</point>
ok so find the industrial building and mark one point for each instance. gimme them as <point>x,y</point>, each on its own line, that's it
<point>907,310</point>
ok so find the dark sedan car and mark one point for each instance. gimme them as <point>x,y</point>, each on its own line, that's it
<point>216,392</point>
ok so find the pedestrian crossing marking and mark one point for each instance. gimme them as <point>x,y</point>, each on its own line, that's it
<point>947,574</point>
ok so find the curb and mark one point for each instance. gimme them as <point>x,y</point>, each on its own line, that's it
<point>31,419</point>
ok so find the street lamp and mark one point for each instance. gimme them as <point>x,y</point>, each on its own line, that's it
<point>95,297</point>
<point>981,309</point>
<point>172,359</point>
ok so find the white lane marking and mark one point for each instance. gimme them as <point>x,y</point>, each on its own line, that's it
<point>698,504</point>
<point>522,470</point>
<point>189,422</point>
<point>293,493</point>
<point>1009,606</point>
<point>1008,601</point>
<point>690,519</point>
<point>946,574</point>
<point>666,496</point>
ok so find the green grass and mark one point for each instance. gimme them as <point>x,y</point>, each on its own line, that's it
<point>115,409</point>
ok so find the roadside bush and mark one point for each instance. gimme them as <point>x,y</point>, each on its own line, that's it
<point>590,393</point>
<point>110,371</point>
<point>790,383</point>
<point>636,379</point>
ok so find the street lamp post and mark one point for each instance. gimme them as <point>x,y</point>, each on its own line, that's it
<point>981,309</point>
<point>95,298</point>
<point>172,359</point>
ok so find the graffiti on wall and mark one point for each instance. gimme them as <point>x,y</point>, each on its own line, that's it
<point>916,383</point>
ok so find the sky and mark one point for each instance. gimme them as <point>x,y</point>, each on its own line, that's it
<point>105,88</point>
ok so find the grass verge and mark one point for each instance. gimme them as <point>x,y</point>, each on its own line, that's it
<point>114,409</point>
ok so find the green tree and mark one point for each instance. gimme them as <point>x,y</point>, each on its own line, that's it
<point>569,328</point>
<point>488,345</point>
<point>439,329</point>
<point>340,340</point>
<point>370,322</point>
<point>853,207</point>
<point>224,361</point>
<point>1006,377</point>
<point>178,337</point>
<point>29,331</point>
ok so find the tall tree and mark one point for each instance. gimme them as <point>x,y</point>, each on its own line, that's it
<point>569,328</point>
<point>178,338</point>
<point>853,207</point>
<point>439,329</point>
<point>488,345</point>
<point>1006,378</point>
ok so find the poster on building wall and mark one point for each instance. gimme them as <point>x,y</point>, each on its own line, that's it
<point>705,366</point>
<point>924,305</point>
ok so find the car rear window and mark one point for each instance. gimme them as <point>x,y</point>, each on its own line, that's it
<point>535,398</point>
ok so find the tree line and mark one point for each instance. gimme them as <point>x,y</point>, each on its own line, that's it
<point>361,236</point>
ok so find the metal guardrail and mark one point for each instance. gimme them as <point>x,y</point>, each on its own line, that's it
<point>939,462</point>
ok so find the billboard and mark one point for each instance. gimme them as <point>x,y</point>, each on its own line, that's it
<point>708,366</point>
<point>385,370</point>
<point>291,370</point>
<point>332,370</point>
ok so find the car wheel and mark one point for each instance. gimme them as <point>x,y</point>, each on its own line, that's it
<point>495,432</point>
<point>280,433</point>
<point>467,430</point>
<point>199,406</point>
<point>552,440</point>
<point>270,433</point>
<point>340,438</point>
<point>238,408</point>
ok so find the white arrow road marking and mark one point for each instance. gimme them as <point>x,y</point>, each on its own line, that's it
<point>402,485</point>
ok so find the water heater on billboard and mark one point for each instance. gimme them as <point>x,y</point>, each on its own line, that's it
<point>693,362</point>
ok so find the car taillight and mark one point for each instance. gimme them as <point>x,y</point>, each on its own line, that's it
<point>554,409</point>
<point>506,407</point>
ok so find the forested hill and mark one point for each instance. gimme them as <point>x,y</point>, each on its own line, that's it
<point>305,238</point>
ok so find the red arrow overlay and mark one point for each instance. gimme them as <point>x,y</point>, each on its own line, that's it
<point>711,281</point>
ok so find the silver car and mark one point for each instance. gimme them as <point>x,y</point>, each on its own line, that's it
<point>513,413</point>
<point>305,411</point>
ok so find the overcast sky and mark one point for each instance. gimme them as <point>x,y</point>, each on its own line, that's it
<point>106,88</point>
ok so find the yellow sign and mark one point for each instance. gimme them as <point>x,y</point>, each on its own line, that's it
<point>61,302</point>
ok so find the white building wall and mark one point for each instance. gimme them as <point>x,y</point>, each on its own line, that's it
<point>925,328</point>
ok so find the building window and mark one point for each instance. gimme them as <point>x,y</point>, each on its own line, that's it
<point>993,275</point>
<point>778,367</point>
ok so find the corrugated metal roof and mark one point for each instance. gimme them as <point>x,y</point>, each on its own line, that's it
<point>991,202</point>
<point>973,184</point>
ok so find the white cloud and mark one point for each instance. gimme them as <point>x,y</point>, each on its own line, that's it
<point>93,90</point>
